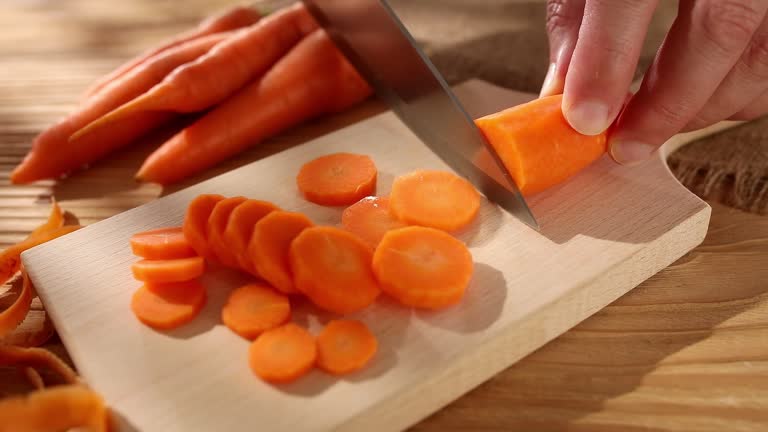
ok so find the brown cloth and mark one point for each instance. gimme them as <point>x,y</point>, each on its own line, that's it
<point>504,42</point>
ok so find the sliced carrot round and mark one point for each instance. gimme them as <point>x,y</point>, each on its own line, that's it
<point>239,229</point>
<point>437,199</point>
<point>217,223</point>
<point>254,308</point>
<point>283,354</point>
<point>423,267</point>
<point>369,219</point>
<point>164,271</point>
<point>162,243</point>
<point>167,306</point>
<point>337,179</point>
<point>332,267</point>
<point>269,245</point>
<point>195,225</point>
<point>345,346</point>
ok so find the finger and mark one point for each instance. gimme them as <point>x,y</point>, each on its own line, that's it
<point>749,77</point>
<point>604,61</point>
<point>756,108</point>
<point>702,46</point>
<point>563,21</point>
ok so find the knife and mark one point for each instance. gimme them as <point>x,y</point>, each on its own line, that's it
<point>377,43</point>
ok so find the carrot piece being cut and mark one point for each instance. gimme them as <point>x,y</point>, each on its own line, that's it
<point>161,244</point>
<point>423,267</point>
<point>195,226</point>
<point>172,270</point>
<point>369,219</point>
<point>239,229</point>
<point>538,146</point>
<point>345,346</point>
<point>283,354</point>
<point>332,267</point>
<point>167,306</point>
<point>217,223</point>
<point>432,198</point>
<point>255,308</point>
<point>58,408</point>
<point>337,179</point>
<point>269,246</point>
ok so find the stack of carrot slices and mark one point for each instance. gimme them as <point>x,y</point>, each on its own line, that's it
<point>402,245</point>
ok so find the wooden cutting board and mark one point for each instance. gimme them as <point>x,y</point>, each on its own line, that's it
<point>602,233</point>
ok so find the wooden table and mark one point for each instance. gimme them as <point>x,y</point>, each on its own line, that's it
<point>685,351</point>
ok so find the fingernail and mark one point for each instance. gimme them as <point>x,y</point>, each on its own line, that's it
<point>548,88</point>
<point>630,152</point>
<point>588,118</point>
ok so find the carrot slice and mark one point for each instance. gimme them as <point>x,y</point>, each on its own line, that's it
<point>57,408</point>
<point>239,229</point>
<point>217,223</point>
<point>195,225</point>
<point>345,346</point>
<point>337,179</point>
<point>369,219</point>
<point>423,267</point>
<point>12,316</point>
<point>437,199</point>
<point>161,244</point>
<point>255,308</point>
<point>282,354</point>
<point>538,146</point>
<point>164,271</point>
<point>10,258</point>
<point>333,268</point>
<point>270,243</point>
<point>167,306</point>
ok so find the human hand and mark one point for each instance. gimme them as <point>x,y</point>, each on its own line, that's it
<point>712,66</point>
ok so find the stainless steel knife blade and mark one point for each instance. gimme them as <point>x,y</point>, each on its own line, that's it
<point>377,43</point>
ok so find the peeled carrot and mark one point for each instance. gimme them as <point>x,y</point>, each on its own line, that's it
<point>14,314</point>
<point>538,146</point>
<point>312,79</point>
<point>172,270</point>
<point>282,354</point>
<point>239,229</point>
<point>345,346</point>
<point>269,245</point>
<point>167,306</point>
<point>423,267</point>
<point>369,219</point>
<point>337,179</point>
<point>332,267</point>
<point>253,309</point>
<point>10,258</point>
<point>437,199</point>
<point>195,227</point>
<point>59,408</point>
<point>217,223</point>
<point>161,244</point>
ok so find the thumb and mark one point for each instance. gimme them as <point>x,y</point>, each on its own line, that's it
<point>563,23</point>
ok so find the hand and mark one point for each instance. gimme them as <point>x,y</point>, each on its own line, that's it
<point>712,66</point>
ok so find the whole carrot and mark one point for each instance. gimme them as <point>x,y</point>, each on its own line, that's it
<point>314,78</point>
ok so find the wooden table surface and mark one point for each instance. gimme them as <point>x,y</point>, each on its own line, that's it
<point>685,351</point>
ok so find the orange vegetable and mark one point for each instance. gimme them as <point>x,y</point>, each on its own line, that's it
<point>538,146</point>
<point>369,219</point>
<point>38,358</point>
<point>269,245</point>
<point>167,306</point>
<point>423,267</point>
<point>172,270</point>
<point>337,179</point>
<point>345,346</point>
<point>58,408</point>
<point>217,223</point>
<point>55,220</point>
<point>12,316</point>
<point>10,258</point>
<point>161,244</point>
<point>332,267</point>
<point>312,79</point>
<point>195,225</point>
<point>255,308</point>
<point>239,229</point>
<point>437,199</point>
<point>282,354</point>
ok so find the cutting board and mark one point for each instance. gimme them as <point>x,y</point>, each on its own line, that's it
<point>602,233</point>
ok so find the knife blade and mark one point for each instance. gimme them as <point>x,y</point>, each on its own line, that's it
<point>378,44</point>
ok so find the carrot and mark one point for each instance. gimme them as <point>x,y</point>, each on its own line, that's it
<point>369,219</point>
<point>437,199</point>
<point>332,267</point>
<point>253,309</point>
<point>190,87</point>
<point>229,19</point>
<point>58,408</point>
<point>269,245</point>
<point>38,358</point>
<point>195,226</point>
<point>172,270</point>
<point>161,244</point>
<point>14,315</point>
<point>217,223</point>
<point>55,152</point>
<point>423,267</point>
<point>282,354</point>
<point>10,258</point>
<point>55,220</point>
<point>345,346</point>
<point>167,306</point>
<point>239,229</point>
<point>312,79</point>
<point>337,179</point>
<point>538,146</point>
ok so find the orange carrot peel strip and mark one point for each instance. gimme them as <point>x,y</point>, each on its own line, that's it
<point>55,409</point>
